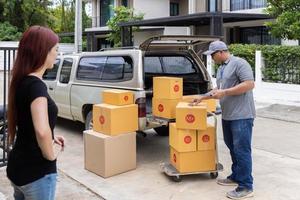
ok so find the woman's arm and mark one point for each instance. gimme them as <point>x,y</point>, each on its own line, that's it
<point>39,112</point>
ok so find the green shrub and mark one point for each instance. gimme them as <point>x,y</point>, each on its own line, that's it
<point>9,32</point>
<point>282,63</point>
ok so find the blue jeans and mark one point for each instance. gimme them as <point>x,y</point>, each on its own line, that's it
<point>237,136</point>
<point>41,189</point>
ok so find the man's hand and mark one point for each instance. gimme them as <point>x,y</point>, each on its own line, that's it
<point>195,101</point>
<point>218,94</point>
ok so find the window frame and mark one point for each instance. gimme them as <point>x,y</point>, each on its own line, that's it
<point>209,6</point>
<point>160,57</point>
<point>102,72</point>
<point>174,6</point>
<point>61,69</point>
<point>246,6</point>
<point>58,66</point>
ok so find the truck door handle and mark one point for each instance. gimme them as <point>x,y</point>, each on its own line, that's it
<point>50,88</point>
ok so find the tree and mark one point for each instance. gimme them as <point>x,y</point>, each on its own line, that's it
<point>1,10</point>
<point>25,13</point>
<point>63,15</point>
<point>287,22</point>
<point>9,32</point>
<point>122,14</point>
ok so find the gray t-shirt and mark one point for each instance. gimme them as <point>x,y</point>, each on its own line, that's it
<point>234,71</point>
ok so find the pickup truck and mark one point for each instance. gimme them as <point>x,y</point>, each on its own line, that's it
<point>77,80</point>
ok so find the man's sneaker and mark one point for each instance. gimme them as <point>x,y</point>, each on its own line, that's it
<point>227,182</point>
<point>240,193</point>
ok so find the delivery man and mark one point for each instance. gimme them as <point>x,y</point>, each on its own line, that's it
<point>235,83</point>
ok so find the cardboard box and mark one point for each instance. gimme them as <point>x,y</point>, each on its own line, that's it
<point>115,120</point>
<point>165,108</point>
<point>210,103</point>
<point>182,140</point>
<point>106,155</point>
<point>167,88</point>
<point>206,139</point>
<point>197,161</point>
<point>191,117</point>
<point>117,97</point>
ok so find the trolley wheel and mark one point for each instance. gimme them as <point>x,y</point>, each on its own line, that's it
<point>176,178</point>
<point>214,175</point>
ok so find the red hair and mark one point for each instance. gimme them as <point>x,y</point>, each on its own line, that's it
<point>34,46</point>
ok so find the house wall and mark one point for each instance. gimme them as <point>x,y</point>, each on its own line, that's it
<point>152,9</point>
<point>140,37</point>
<point>201,5</point>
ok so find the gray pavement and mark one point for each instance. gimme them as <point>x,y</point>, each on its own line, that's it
<point>276,164</point>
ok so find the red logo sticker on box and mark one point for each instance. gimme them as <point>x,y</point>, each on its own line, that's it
<point>160,108</point>
<point>126,98</point>
<point>176,88</point>
<point>174,157</point>
<point>205,138</point>
<point>190,118</point>
<point>101,119</point>
<point>187,139</point>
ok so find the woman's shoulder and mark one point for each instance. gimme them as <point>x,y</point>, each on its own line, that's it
<point>30,83</point>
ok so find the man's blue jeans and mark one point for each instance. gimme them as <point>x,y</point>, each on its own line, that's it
<point>237,136</point>
<point>41,189</point>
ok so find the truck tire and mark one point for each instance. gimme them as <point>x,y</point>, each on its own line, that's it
<point>162,131</point>
<point>89,121</point>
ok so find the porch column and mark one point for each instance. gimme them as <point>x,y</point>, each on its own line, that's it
<point>126,36</point>
<point>192,10</point>
<point>216,26</point>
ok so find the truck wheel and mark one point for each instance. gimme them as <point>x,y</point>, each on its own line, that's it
<point>89,121</point>
<point>162,131</point>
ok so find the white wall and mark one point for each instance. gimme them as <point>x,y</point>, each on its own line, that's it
<point>140,37</point>
<point>152,8</point>
<point>289,42</point>
<point>176,30</point>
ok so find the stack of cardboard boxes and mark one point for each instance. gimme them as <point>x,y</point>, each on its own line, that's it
<point>110,148</point>
<point>167,93</point>
<point>192,140</point>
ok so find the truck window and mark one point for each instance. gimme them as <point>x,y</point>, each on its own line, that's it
<point>118,68</point>
<point>66,70</point>
<point>177,65</point>
<point>50,74</point>
<point>152,65</point>
<point>91,68</point>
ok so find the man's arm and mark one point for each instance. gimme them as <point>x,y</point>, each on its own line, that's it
<point>236,90</point>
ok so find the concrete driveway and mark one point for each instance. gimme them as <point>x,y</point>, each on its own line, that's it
<point>276,164</point>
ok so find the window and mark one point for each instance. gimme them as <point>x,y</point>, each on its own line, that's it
<point>152,65</point>
<point>91,68</point>
<point>124,3</point>
<point>66,70</point>
<point>258,3</point>
<point>174,9</point>
<point>247,4</point>
<point>212,5</point>
<point>103,43</point>
<point>106,11</point>
<point>50,74</point>
<point>177,65</point>
<point>168,65</point>
<point>257,35</point>
<point>102,68</point>
<point>118,68</point>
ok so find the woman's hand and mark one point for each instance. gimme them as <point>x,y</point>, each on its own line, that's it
<point>60,140</point>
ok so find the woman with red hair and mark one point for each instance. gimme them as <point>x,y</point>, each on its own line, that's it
<point>32,116</point>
